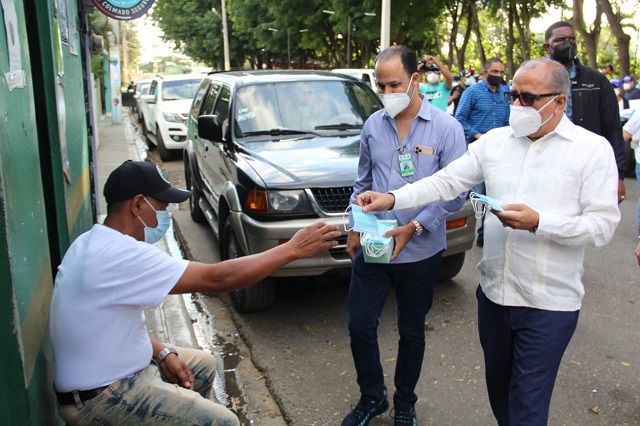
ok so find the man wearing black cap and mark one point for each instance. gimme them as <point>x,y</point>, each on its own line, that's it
<point>107,367</point>
<point>434,90</point>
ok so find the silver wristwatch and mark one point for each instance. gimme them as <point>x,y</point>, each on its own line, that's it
<point>163,354</point>
<point>419,229</point>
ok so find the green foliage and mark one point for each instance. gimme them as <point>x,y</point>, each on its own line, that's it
<point>436,27</point>
<point>100,26</point>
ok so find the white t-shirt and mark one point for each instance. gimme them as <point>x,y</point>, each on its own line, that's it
<point>97,322</point>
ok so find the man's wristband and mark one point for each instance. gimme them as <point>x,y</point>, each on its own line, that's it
<point>164,353</point>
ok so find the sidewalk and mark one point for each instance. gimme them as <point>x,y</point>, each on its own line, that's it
<point>170,322</point>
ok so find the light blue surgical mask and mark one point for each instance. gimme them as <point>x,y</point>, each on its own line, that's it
<point>153,235</point>
<point>481,203</point>
<point>363,222</point>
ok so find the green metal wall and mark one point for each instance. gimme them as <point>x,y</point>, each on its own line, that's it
<point>41,212</point>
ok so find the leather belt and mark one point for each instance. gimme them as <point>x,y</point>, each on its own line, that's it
<point>84,395</point>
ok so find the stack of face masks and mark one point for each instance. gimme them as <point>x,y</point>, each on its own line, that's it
<point>375,247</point>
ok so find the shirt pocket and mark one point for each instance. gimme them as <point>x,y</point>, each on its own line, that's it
<point>558,191</point>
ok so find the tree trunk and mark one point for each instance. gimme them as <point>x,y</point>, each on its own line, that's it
<point>590,38</point>
<point>467,36</point>
<point>454,14</point>
<point>510,41</point>
<point>475,23</point>
<point>623,39</point>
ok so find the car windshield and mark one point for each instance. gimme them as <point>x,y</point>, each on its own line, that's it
<point>305,107</point>
<point>180,89</point>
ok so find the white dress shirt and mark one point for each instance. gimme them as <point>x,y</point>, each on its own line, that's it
<point>569,177</point>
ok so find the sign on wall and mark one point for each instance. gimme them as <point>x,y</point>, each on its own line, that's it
<point>123,10</point>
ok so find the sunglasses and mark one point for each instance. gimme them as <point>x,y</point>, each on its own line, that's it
<point>526,99</point>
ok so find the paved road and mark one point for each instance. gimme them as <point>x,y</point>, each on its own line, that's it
<point>301,346</point>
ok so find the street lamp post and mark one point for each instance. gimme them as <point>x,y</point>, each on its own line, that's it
<point>225,34</point>
<point>288,43</point>
<point>350,20</point>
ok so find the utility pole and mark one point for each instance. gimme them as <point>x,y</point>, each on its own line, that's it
<point>225,35</point>
<point>225,40</point>
<point>385,24</point>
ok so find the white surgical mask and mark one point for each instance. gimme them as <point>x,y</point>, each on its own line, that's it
<point>433,78</point>
<point>626,87</point>
<point>395,103</point>
<point>470,81</point>
<point>153,235</point>
<point>617,91</point>
<point>526,120</point>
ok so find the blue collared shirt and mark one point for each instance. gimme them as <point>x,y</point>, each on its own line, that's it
<point>379,170</point>
<point>481,110</point>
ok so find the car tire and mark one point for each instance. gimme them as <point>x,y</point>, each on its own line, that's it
<point>165,154</point>
<point>197,215</point>
<point>258,297</point>
<point>450,266</point>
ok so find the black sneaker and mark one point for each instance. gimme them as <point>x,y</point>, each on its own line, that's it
<point>404,416</point>
<point>365,411</point>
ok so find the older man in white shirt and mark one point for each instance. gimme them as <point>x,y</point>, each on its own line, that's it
<point>557,184</point>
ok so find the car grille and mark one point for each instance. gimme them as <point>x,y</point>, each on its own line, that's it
<point>333,200</point>
<point>339,252</point>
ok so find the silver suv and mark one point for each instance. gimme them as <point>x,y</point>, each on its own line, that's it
<point>269,152</point>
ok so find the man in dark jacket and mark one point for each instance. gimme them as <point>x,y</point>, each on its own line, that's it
<point>592,104</point>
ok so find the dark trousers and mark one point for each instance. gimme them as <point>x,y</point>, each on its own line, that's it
<point>370,285</point>
<point>522,348</point>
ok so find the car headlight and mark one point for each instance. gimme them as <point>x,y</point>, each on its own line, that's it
<point>278,202</point>
<point>172,117</point>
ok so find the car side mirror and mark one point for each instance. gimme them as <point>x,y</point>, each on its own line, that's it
<point>209,127</point>
<point>150,99</point>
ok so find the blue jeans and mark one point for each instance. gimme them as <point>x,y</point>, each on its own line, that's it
<point>370,285</point>
<point>638,179</point>
<point>146,399</point>
<point>522,348</point>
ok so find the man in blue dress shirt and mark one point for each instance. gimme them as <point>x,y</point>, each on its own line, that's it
<point>481,108</point>
<point>408,140</point>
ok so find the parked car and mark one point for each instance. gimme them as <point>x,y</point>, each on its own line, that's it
<point>164,112</point>
<point>269,152</point>
<point>142,88</point>
<point>365,74</point>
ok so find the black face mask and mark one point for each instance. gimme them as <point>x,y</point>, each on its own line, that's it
<point>564,52</point>
<point>494,80</point>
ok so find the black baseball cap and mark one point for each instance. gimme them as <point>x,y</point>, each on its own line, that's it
<point>141,177</point>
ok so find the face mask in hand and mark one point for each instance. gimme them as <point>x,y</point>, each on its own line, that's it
<point>395,103</point>
<point>153,235</point>
<point>525,121</point>
<point>481,203</point>
<point>363,222</point>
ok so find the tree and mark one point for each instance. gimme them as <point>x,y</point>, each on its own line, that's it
<point>617,28</point>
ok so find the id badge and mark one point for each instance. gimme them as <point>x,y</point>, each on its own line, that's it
<point>406,165</point>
